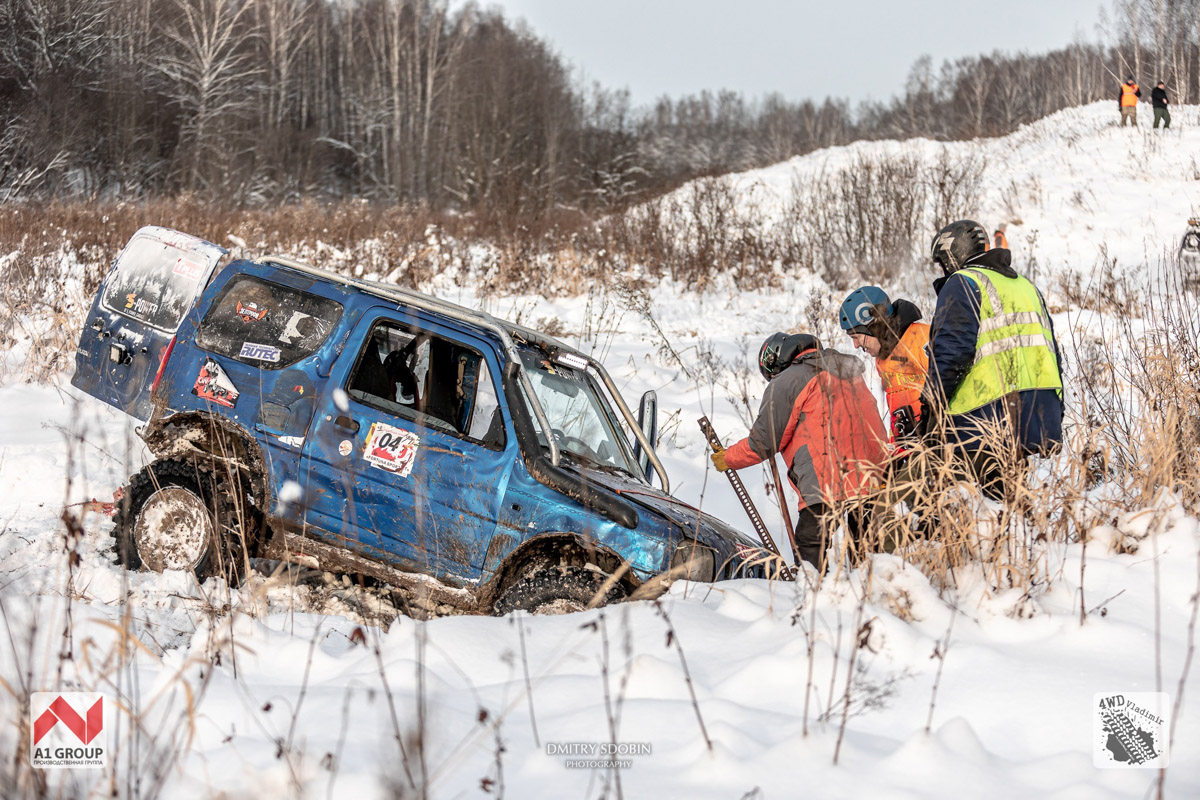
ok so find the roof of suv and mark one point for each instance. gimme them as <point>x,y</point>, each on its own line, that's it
<point>389,291</point>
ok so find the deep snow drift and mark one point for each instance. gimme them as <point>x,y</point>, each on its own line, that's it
<point>270,690</point>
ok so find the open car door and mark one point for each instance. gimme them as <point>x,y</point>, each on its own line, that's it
<point>132,323</point>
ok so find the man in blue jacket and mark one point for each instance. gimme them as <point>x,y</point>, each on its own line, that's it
<point>995,370</point>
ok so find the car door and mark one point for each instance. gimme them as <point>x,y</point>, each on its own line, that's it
<point>134,317</point>
<point>410,461</point>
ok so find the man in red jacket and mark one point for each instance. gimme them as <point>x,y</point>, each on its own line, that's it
<point>818,412</point>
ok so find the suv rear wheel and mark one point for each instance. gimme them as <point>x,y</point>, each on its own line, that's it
<point>557,590</point>
<point>179,515</point>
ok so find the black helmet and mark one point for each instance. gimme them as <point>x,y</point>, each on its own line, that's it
<point>958,242</point>
<point>781,349</point>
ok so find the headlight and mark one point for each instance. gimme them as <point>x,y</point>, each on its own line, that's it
<point>698,563</point>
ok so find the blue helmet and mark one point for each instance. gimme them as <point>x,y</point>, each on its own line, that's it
<point>858,310</point>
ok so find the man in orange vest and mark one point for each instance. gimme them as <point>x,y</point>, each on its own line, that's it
<point>1128,100</point>
<point>890,333</point>
<point>999,238</point>
<point>818,412</point>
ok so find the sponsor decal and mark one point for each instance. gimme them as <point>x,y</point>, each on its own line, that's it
<point>213,384</point>
<point>192,270</point>
<point>345,447</point>
<point>251,312</point>
<point>260,352</point>
<point>66,729</point>
<point>141,308</point>
<point>302,326</point>
<point>391,449</point>
<point>1131,730</point>
<point>747,552</point>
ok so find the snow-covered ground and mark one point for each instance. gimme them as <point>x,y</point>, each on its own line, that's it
<point>270,691</point>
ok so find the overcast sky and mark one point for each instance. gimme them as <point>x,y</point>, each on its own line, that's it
<point>856,49</point>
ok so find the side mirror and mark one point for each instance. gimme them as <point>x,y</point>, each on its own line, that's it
<point>648,422</point>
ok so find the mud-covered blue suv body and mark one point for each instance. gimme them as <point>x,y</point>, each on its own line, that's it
<point>364,428</point>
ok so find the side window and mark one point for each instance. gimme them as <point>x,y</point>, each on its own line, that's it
<point>430,380</point>
<point>266,325</point>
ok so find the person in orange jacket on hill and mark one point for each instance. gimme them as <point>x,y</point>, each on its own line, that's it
<point>1000,237</point>
<point>818,412</point>
<point>1128,100</point>
<point>890,332</point>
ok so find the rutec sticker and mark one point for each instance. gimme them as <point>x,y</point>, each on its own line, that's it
<point>213,384</point>
<point>260,352</point>
<point>391,449</point>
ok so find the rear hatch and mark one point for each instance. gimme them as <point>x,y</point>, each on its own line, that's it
<point>132,323</point>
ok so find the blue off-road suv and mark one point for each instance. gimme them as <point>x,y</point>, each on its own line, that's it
<point>294,414</point>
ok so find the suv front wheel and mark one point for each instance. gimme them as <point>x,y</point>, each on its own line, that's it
<point>558,590</point>
<point>178,515</point>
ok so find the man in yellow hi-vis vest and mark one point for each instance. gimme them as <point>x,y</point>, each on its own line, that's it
<point>995,369</point>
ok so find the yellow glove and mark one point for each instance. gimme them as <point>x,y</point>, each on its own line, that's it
<point>718,459</point>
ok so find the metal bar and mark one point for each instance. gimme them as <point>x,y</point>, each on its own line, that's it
<point>739,489</point>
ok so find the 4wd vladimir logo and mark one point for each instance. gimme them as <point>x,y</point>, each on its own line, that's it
<point>66,730</point>
<point>1131,730</point>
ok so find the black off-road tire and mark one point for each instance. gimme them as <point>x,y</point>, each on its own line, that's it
<point>223,553</point>
<point>557,590</point>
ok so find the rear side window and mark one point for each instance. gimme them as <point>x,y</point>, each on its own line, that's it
<point>155,282</point>
<point>266,325</point>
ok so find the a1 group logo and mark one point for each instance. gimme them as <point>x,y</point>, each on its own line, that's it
<point>66,729</point>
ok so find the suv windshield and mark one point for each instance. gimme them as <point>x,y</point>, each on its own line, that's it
<point>582,422</point>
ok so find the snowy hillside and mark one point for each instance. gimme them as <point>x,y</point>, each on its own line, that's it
<point>270,691</point>
<point>1074,186</point>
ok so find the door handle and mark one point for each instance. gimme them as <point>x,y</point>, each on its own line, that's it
<point>349,424</point>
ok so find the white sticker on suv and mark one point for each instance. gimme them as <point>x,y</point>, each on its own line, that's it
<point>391,449</point>
<point>259,352</point>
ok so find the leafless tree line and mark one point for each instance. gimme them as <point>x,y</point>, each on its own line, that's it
<point>407,101</point>
<point>397,100</point>
<point>990,95</point>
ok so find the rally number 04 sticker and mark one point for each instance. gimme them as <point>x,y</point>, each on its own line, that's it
<point>391,449</point>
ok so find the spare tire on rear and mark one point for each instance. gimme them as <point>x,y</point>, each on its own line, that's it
<point>558,590</point>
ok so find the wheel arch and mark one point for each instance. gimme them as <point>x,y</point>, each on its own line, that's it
<point>202,434</point>
<point>553,549</point>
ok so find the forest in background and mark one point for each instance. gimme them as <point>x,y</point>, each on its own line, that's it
<point>245,103</point>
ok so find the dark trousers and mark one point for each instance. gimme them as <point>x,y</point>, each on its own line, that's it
<point>816,525</point>
<point>1164,115</point>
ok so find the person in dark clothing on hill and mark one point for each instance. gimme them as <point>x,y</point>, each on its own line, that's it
<point>1158,98</point>
<point>819,414</point>
<point>1127,100</point>
<point>994,389</point>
